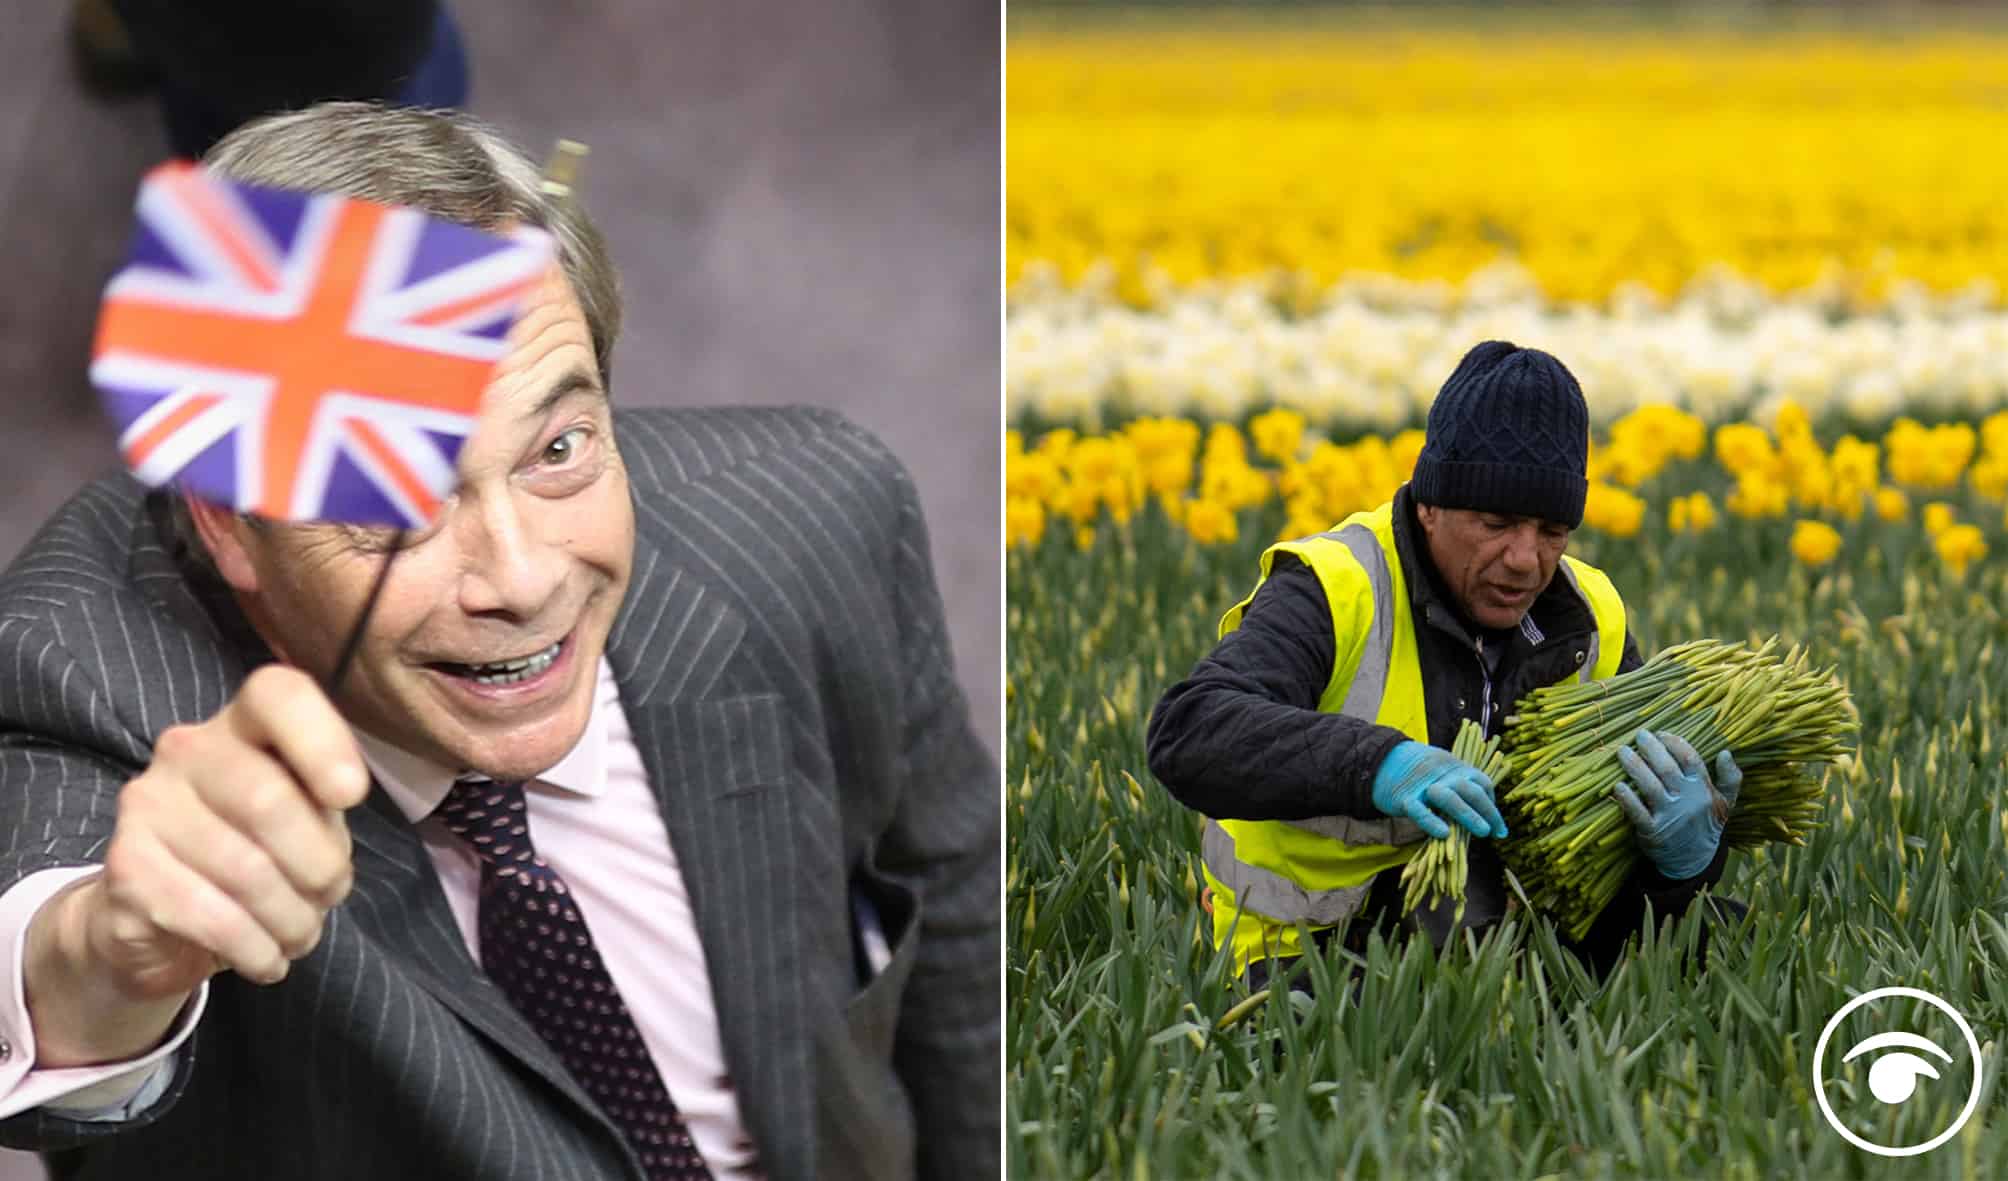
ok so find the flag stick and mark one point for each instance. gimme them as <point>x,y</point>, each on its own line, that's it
<point>355,641</point>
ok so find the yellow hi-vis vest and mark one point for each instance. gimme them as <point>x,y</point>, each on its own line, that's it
<point>1270,876</point>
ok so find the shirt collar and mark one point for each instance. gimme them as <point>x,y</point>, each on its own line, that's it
<point>418,785</point>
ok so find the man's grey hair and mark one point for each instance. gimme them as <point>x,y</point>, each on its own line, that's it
<point>445,163</point>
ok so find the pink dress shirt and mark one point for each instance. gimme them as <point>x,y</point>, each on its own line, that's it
<point>594,819</point>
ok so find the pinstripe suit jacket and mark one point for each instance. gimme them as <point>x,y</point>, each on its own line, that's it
<point>782,656</point>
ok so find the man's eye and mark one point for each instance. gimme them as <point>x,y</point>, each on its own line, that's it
<point>565,448</point>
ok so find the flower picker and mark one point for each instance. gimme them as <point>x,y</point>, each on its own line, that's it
<point>1317,738</point>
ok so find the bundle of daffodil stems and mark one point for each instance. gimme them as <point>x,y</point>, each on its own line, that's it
<point>1440,870</point>
<point>1572,847</point>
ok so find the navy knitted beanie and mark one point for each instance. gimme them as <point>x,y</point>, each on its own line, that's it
<point>1508,433</point>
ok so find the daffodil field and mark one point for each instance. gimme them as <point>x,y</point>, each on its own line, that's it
<point>1242,259</point>
<point>1217,219</point>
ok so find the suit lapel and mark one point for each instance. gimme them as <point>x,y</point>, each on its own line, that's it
<point>399,903</point>
<point>716,752</point>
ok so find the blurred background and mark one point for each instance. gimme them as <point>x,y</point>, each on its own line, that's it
<point>801,197</point>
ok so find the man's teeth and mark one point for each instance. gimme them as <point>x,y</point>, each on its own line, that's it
<point>508,672</point>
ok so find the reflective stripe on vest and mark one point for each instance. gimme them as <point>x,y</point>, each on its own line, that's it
<point>1369,685</point>
<point>1370,678</point>
<point>1264,891</point>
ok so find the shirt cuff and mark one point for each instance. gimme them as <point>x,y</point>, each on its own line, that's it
<point>119,1098</point>
<point>106,1091</point>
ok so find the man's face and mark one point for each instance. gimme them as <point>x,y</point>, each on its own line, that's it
<point>529,559</point>
<point>1493,563</point>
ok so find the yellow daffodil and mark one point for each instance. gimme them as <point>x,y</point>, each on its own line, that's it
<point>1994,434</point>
<point>1233,484</point>
<point>1641,444</point>
<point>1168,474</point>
<point>1210,522</point>
<point>1305,519</point>
<point>1055,444</point>
<point>1224,442</point>
<point>1959,546</point>
<point>1806,471</point>
<point>1080,501</point>
<point>1701,515</point>
<point>1758,496</point>
<point>1277,434</point>
<point>1792,423</point>
<point>1815,542</point>
<point>1166,449</point>
<point>1402,451</point>
<point>1989,475</point>
<point>1953,445</point>
<point>1745,450</point>
<point>1122,497</point>
<point>1929,457</point>
<point>1094,459</point>
<point>1692,513</point>
<point>1024,521</point>
<point>1032,477</point>
<point>1610,509</point>
<point>1856,464</point>
<point>1891,504</point>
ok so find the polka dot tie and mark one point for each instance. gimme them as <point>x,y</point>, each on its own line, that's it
<point>535,946</point>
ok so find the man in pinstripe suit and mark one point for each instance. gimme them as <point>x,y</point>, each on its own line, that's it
<point>707,643</point>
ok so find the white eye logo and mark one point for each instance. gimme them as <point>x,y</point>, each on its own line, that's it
<point>1893,1079</point>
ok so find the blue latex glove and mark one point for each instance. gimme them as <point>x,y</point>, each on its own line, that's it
<point>1417,782</point>
<point>1677,813</point>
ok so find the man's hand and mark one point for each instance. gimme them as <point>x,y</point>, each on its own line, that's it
<point>1417,782</point>
<point>1676,812</point>
<point>229,851</point>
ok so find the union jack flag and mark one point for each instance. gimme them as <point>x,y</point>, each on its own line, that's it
<point>303,357</point>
